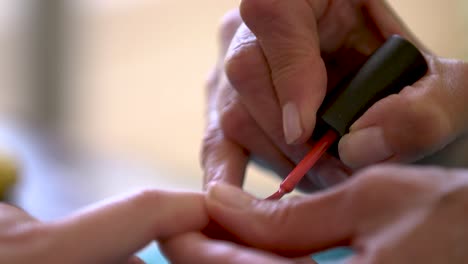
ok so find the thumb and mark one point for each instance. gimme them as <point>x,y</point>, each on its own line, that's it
<point>294,227</point>
<point>419,121</point>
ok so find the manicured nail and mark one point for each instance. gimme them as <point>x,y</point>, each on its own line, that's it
<point>229,196</point>
<point>291,123</point>
<point>364,147</point>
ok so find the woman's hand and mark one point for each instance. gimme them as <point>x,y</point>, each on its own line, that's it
<point>282,58</point>
<point>387,214</point>
<point>107,233</point>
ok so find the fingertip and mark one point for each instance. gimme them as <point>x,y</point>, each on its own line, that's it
<point>297,70</point>
<point>346,152</point>
<point>228,197</point>
<point>222,159</point>
<point>253,10</point>
<point>364,147</point>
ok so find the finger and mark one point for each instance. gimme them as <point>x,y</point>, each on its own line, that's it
<point>113,232</point>
<point>406,127</point>
<point>222,159</point>
<point>196,248</point>
<point>228,27</point>
<point>306,224</point>
<point>249,74</point>
<point>291,46</point>
<point>293,227</point>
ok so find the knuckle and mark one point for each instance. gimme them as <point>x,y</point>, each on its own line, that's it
<point>372,176</point>
<point>418,124</point>
<point>294,62</point>
<point>393,187</point>
<point>228,25</point>
<point>211,140</point>
<point>233,119</point>
<point>224,126</point>
<point>242,61</point>
<point>431,125</point>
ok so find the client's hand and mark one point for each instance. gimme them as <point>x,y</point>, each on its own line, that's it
<point>387,214</point>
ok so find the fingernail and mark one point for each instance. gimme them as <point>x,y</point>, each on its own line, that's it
<point>229,196</point>
<point>364,147</point>
<point>291,123</point>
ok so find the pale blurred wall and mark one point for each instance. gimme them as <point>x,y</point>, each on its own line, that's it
<point>144,75</point>
<point>146,64</point>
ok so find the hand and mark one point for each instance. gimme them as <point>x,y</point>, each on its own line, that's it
<point>233,136</point>
<point>281,63</point>
<point>112,232</point>
<point>386,214</point>
<point>106,233</point>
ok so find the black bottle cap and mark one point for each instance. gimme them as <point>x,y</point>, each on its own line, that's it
<point>395,65</point>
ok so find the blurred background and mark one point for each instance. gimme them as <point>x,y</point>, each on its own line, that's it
<point>99,97</point>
